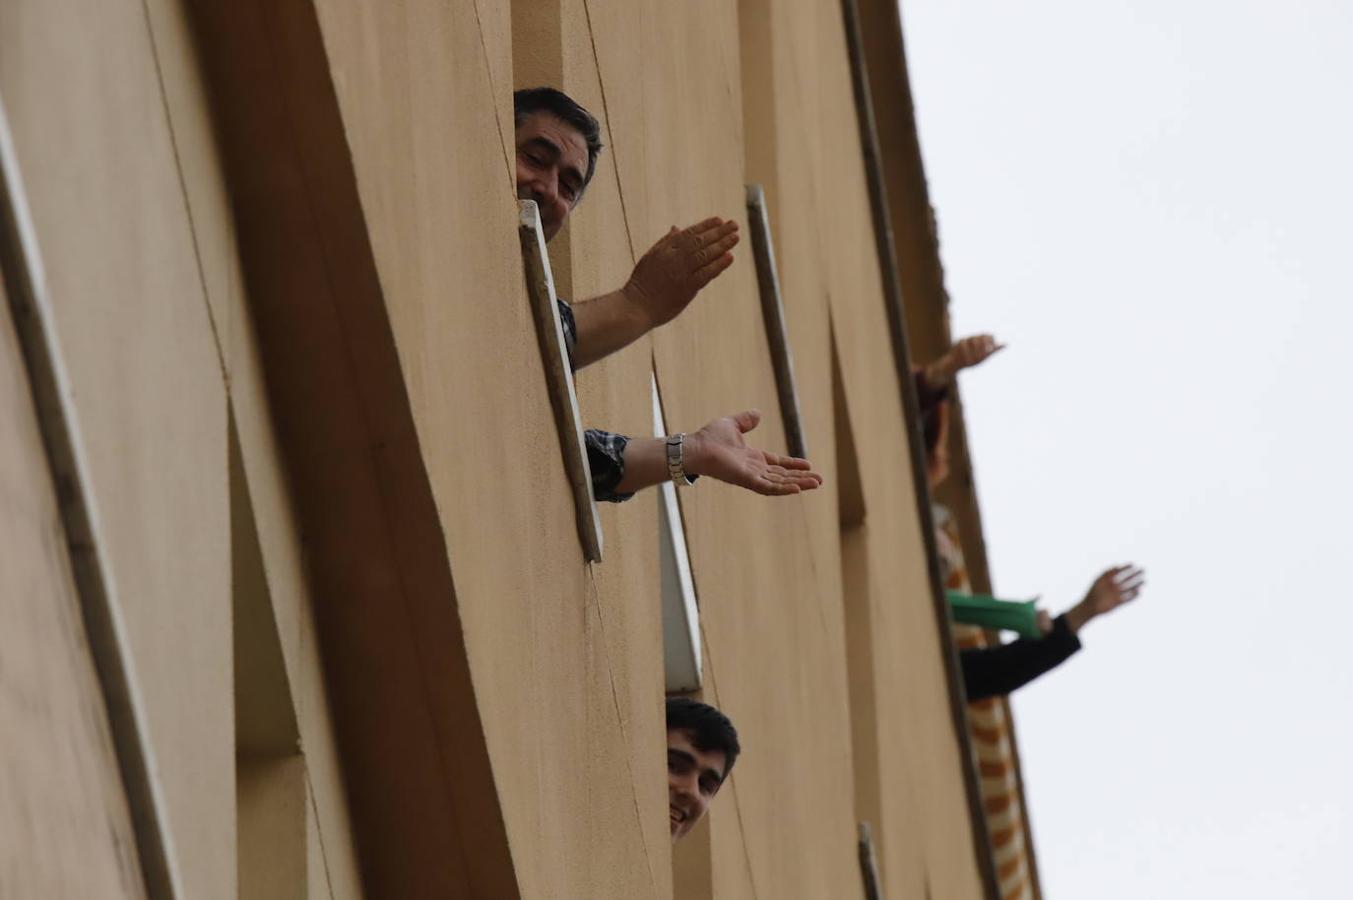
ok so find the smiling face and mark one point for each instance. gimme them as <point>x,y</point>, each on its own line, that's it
<point>551,167</point>
<point>694,776</point>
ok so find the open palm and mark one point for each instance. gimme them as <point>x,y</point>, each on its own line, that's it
<point>1113,588</point>
<point>720,451</point>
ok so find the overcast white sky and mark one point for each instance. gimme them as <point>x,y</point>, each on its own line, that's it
<point>1151,203</point>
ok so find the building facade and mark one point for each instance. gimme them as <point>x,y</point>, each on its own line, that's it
<point>295,604</point>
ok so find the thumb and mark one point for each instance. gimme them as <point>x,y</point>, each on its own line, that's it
<point>747,420</point>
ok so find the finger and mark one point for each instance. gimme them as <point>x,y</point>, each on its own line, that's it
<point>747,419</point>
<point>1134,585</point>
<point>798,474</point>
<point>710,271</point>
<point>805,480</point>
<point>699,228</point>
<point>788,485</point>
<point>708,247</point>
<point>1130,575</point>
<point>1129,579</point>
<point>723,244</point>
<point>769,488</point>
<point>1133,591</point>
<point>715,229</point>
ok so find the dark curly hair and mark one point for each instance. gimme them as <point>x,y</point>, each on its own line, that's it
<point>710,730</point>
<point>529,101</point>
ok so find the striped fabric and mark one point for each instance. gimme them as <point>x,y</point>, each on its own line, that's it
<point>990,733</point>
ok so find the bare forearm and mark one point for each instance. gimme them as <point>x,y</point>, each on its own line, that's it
<point>606,324</point>
<point>645,464</point>
<point>939,373</point>
<point>1078,615</point>
<point>646,461</point>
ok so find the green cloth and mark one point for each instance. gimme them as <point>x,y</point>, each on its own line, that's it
<point>1000,615</point>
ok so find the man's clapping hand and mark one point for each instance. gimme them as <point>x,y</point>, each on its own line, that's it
<point>667,277</point>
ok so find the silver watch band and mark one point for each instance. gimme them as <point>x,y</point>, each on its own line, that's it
<point>675,468</point>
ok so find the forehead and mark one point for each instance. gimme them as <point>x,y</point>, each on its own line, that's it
<point>680,739</point>
<point>556,131</point>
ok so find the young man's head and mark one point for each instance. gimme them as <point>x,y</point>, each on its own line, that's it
<point>557,147</point>
<point>702,746</point>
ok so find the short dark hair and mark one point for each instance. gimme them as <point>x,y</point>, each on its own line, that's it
<point>529,101</point>
<point>710,730</point>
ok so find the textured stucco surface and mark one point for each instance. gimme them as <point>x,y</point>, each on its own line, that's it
<point>96,153</point>
<point>480,710</point>
<point>115,143</point>
<point>562,656</point>
<point>60,789</point>
<point>803,144</point>
<point>550,643</point>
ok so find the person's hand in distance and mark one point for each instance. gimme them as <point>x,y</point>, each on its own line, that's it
<point>964,354</point>
<point>1112,589</point>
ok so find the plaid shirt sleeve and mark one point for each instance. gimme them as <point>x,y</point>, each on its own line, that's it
<point>606,460</point>
<point>570,330</point>
<point>605,449</point>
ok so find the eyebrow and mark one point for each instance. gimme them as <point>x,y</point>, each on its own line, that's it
<point>557,152</point>
<point>690,760</point>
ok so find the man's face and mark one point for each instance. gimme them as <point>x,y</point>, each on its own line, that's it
<point>551,167</point>
<point>693,778</point>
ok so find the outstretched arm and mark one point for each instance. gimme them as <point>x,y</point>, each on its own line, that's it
<point>964,354</point>
<point>719,451</point>
<point>665,281</point>
<point>989,671</point>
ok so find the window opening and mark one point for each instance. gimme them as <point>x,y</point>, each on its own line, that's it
<point>272,803</point>
<point>856,598</point>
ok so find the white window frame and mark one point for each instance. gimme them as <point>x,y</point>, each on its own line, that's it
<point>681,645</point>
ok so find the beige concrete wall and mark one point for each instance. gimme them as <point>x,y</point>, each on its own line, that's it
<point>572,708</point>
<point>769,575</point>
<point>345,280</point>
<point>803,145</point>
<point>113,132</point>
<point>551,643</point>
<point>97,155</point>
<point>60,789</point>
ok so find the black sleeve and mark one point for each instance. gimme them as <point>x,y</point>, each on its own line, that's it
<point>930,396</point>
<point>989,671</point>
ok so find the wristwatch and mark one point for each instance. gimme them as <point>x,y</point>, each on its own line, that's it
<point>674,460</point>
